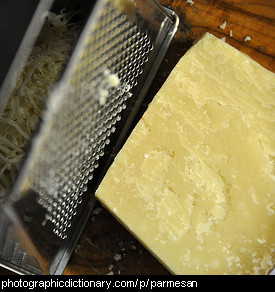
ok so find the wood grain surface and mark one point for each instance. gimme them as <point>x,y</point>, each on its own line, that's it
<point>105,246</point>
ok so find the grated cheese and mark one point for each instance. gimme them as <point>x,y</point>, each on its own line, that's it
<point>20,117</point>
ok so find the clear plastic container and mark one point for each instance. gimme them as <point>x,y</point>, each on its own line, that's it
<point>132,44</point>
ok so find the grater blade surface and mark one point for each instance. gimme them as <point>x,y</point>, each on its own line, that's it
<point>82,113</point>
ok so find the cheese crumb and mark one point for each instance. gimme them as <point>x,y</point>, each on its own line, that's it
<point>247,38</point>
<point>97,211</point>
<point>230,33</point>
<point>117,257</point>
<point>223,25</point>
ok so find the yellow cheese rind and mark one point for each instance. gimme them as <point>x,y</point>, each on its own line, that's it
<point>195,180</point>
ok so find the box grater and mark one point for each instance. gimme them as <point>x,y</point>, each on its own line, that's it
<point>87,117</point>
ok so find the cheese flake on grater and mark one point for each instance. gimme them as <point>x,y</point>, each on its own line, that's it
<point>194,182</point>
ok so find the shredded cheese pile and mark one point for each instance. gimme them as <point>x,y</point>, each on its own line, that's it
<point>22,113</point>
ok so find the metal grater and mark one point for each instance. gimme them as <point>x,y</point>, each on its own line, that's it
<point>87,118</point>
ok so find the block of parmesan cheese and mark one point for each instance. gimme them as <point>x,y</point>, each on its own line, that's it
<point>195,180</point>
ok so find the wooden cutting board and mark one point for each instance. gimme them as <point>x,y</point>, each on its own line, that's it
<point>105,246</point>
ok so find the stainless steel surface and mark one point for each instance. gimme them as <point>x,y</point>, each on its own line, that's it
<point>87,118</point>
